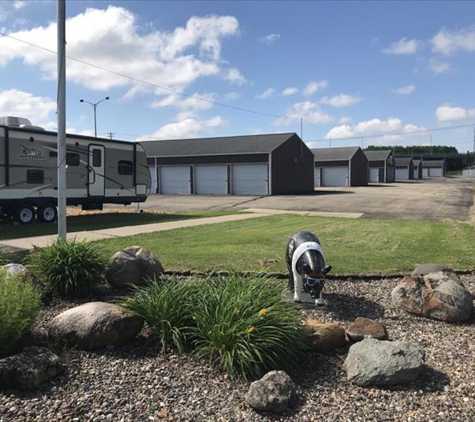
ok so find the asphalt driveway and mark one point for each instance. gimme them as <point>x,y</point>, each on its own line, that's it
<point>429,199</point>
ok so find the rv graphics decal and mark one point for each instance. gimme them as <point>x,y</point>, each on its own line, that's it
<point>31,153</point>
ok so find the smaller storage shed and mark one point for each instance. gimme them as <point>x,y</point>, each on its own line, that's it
<point>273,164</point>
<point>345,166</point>
<point>404,168</point>
<point>381,166</point>
<point>417,169</point>
<point>433,168</point>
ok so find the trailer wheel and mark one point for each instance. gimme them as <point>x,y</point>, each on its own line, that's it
<point>47,213</point>
<point>25,214</point>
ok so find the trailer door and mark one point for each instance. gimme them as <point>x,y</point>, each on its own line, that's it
<point>96,183</point>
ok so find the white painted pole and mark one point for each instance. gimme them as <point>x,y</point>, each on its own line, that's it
<point>61,9</point>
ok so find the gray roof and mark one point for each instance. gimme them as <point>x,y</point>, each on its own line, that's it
<point>374,155</point>
<point>251,144</point>
<point>433,163</point>
<point>334,154</point>
<point>416,162</point>
<point>402,161</point>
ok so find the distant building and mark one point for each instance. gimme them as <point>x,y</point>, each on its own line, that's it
<point>381,166</point>
<point>404,169</point>
<point>417,170</point>
<point>433,168</point>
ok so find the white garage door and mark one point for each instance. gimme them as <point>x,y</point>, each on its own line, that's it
<point>250,179</point>
<point>425,172</point>
<point>175,180</point>
<point>374,175</point>
<point>335,176</point>
<point>211,180</point>
<point>402,174</point>
<point>435,172</point>
<point>416,172</point>
<point>317,178</point>
<point>153,176</point>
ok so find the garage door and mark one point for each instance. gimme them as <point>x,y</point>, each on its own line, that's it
<point>416,172</point>
<point>374,175</point>
<point>317,177</point>
<point>335,176</point>
<point>211,180</point>
<point>402,174</point>
<point>175,180</point>
<point>437,172</point>
<point>250,179</point>
<point>425,172</point>
<point>153,178</point>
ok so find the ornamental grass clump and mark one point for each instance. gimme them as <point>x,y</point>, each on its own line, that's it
<point>70,268</point>
<point>20,302</point>
<point>243,326</point>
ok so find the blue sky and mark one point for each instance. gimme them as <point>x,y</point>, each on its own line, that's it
<point>380,72</point>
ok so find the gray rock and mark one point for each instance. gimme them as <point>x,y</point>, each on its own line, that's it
<point>133,266</point>
<point>274,392</point>
<point>20,271</point>
<point>425,269</point>
<point>383,363</point>
<point>29,369</point>
<point>440,295</point>
<point>94,325</point>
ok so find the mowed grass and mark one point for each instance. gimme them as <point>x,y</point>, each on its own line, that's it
<point>351,246</point>
<point>101,220</point>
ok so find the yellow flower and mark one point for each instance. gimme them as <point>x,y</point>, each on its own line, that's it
<point>263,312</point>
<point>250,330</point>
<point>130,300</point>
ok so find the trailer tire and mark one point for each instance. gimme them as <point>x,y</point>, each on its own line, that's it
<point>24,214</point>
<point>47,213</point>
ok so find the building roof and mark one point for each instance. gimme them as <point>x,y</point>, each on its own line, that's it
<point>433,163</point>
<point>403,161</point>
<point>416,162</point>
<point>334,154</point>
<point>251,144</point>
<point>377,155</point>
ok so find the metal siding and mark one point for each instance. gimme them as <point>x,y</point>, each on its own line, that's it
<point>318,177</point>
<point>359,169</point>
<point>214,159</point>
<point>211,180</point>
<point>250,179</point>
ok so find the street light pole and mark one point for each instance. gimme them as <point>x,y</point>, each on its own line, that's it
<point>94,105</point>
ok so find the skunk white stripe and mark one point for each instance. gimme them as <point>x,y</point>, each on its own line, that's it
<point>298,281</point>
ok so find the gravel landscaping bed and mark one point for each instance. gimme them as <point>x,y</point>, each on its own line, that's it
<point>136,383</point>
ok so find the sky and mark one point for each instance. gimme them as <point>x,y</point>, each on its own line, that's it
<point>336,73</point>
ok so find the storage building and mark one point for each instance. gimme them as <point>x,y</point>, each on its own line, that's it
<point>404,168</point>
<point>417,169</point>
<point>381,166</point>
<point>433,168</point>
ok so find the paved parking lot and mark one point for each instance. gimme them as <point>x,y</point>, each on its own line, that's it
<point>431,199</point>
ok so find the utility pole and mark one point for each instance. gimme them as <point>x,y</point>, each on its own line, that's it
<point>473,151</point>
<point>111,134</point>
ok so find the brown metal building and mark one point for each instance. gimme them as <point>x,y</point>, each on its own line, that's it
<point>346,166</point>
<point>381,166</point>
<point>273,164</point>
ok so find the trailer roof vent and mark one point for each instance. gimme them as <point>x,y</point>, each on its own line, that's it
<point>14,121</point>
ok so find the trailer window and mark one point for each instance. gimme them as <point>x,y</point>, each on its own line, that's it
<point>96,157</point>
<point>126,167</point>
<point>35,177</point>
<point>72,159</point>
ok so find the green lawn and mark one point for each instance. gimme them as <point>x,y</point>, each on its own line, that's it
<point>97,221</point>
<point>352,246</point>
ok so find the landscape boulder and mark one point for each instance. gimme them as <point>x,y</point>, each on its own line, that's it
<point>20,271</point>
<point>383,363</point>
<point>365,327</point>
<point>439,295</point>
<point>425,269</point>
<point>29,369</point>
<point>274,392</point>
<point>133,266</point>
<point>325,336</point>
<point>94,325</point>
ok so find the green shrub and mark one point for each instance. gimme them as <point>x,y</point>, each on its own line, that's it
<point>69,268</point>
<point>19,304</point>
<point>238,324</point>
<point>166,308</point>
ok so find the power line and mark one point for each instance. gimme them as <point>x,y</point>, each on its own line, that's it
<point>171,90</point>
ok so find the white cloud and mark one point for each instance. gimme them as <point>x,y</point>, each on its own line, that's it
<point>373,127</point>
<point>110,38</point>
<point>186,127</point>
<point>450,42</point>
<point>6,7</point>
<point>232,96</point>
<point>403,46</point>
<point>307,110</point>
<point>313,87</point>
<point>196,102</point>
<point>440,67</point>
<point>447,113</point>
<point>345,120</point>
<point>269,92</point>
<point>24,104</point>
<point>341,100</point>
<point>269,39</point>
<point>404,90</point>
<point>290,91</point>
<point>235,77</point>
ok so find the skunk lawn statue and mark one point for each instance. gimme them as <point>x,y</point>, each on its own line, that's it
<point>306,265</point>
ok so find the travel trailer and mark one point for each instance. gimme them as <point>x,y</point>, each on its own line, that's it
<point>98,171</point>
